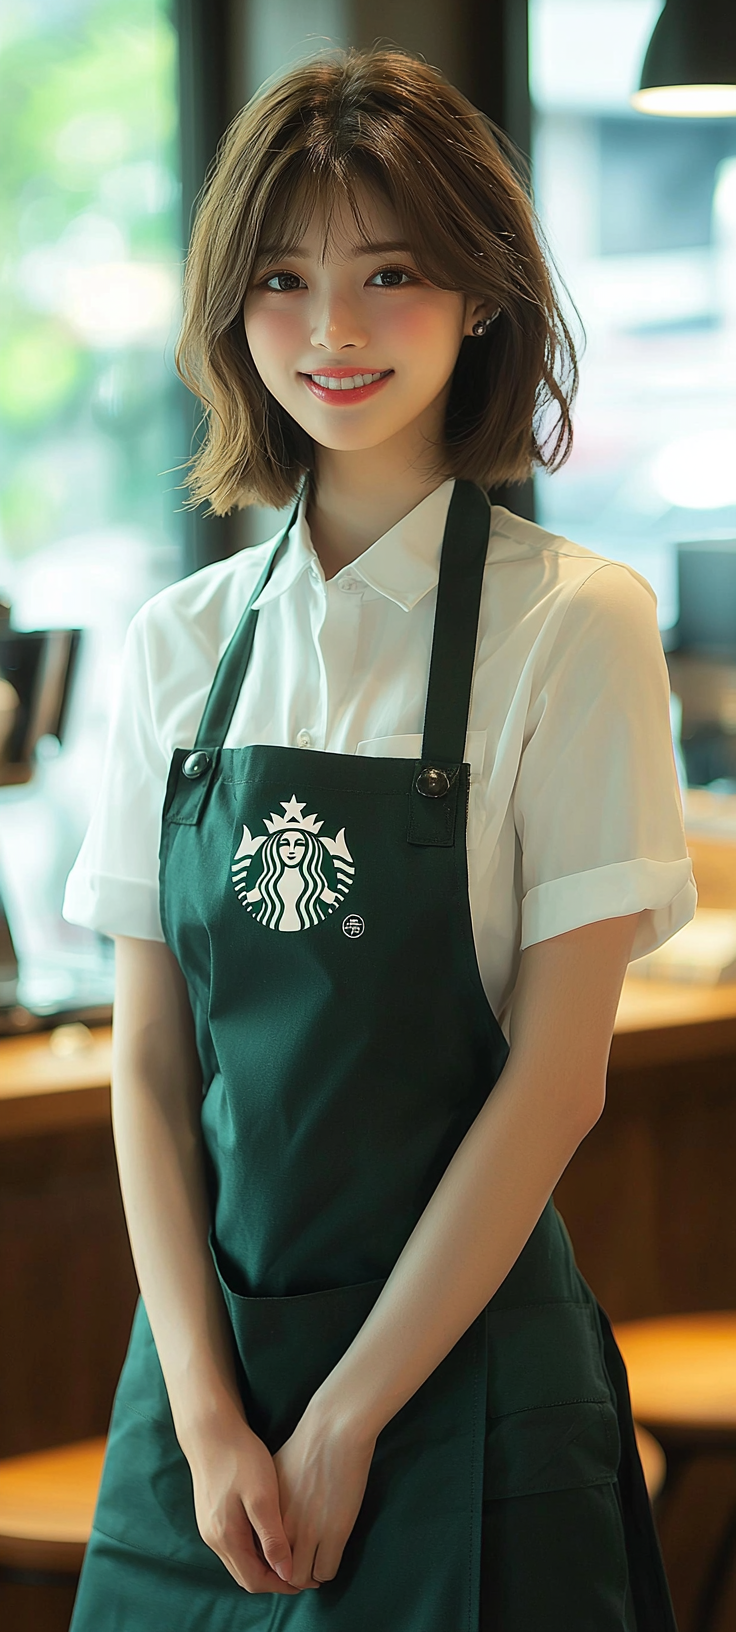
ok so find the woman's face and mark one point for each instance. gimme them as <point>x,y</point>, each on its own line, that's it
<point>292,848</point>
<point>360,346</point>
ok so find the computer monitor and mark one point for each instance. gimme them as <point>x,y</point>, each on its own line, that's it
<point>36,671</point>
<point>707,594</point>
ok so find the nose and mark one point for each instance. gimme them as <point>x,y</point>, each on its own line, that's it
<point>337,325</point>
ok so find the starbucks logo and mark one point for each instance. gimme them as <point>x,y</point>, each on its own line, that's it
<point>292,876</point>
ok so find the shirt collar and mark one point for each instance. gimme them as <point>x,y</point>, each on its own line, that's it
<point>403,564</point>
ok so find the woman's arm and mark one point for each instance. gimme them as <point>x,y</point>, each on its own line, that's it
<point>549,1095</point>
<point>156,1097</point>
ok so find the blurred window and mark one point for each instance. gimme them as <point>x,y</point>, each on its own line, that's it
<point>90,405</point>
<point>640,215</point>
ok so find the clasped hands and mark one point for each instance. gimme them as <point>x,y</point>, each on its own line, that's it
<point>279,1524</point>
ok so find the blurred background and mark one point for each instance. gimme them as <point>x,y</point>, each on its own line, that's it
<point>110,113</point>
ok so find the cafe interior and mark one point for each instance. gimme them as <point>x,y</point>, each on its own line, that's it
<point>111,110</point>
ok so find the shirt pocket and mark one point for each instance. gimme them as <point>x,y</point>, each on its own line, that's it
<point>410,747</point>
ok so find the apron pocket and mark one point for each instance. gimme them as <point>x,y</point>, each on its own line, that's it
<point>413,1556</point>
<point>557,1447</point>
<point>551,1418</point>
<point>287,1346</point>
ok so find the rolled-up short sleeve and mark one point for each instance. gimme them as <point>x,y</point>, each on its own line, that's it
<point>113,885</point>
<point>597,805</point>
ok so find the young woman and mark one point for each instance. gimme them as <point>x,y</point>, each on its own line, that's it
<point>389,805</point>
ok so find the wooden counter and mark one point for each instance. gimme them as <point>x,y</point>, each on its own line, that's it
<point>657,1021</point>
<point>663,1020</point>
<point>42,1089</point>
<point>67,1287</point>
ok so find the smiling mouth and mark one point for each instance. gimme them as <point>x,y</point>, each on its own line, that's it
<point>347,382</point>
<point>342,388</point>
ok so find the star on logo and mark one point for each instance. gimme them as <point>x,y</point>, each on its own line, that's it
<point>292,808</point>
<point>292,814</point>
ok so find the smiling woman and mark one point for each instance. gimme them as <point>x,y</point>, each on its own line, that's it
<point>366,1374</point>
<point>326,174</point>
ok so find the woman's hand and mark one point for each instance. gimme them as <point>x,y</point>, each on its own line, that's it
<point>236,1501</point>
<point>322,1473</point>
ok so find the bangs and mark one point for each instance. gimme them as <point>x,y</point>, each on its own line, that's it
<point>324,191</point>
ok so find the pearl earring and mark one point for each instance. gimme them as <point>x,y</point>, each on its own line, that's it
<point>483,324</point>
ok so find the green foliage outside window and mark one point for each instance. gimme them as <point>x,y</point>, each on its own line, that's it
<point>89,270</point>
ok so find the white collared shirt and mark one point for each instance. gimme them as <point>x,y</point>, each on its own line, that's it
<point>574,814</point>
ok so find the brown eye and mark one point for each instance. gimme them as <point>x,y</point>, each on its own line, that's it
<point>391,277</point>
<point>284,282</point>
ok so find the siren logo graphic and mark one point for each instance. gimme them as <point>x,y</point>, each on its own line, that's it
<point>291,876</point>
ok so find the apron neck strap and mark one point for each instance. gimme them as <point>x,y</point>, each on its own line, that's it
<point>231,669</point>
<point>462,563</point>
<point>463,559</point>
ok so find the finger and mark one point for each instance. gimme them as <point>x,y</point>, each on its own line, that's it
<point>241,1554</point>
<point>238,1547</point>
<point>271,1582</point>
<point>257,1577</point>
<point>305,1548</point>
<point>327,1559</point>
<point>265,1516</point>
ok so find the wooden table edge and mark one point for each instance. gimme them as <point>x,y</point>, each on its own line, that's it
<point>48,1110</point>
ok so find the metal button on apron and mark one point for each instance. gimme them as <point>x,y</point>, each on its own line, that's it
<point>196,765</point>
<point>434,784</point>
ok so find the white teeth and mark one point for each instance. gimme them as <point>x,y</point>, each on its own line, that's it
<point>330,383</point>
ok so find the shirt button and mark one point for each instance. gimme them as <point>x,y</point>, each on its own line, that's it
<point>304,740</point>
<point>351,586</point>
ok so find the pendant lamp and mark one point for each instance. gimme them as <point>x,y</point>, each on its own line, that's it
<point>690,67</point>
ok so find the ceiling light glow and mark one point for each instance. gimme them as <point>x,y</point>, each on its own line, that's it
<point>698,472</point>
<point>687,101</point>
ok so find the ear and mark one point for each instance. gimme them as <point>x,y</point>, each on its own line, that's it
<point>474,310</point>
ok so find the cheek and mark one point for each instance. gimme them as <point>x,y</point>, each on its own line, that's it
<point>429,331</point>
<point>273,337</point>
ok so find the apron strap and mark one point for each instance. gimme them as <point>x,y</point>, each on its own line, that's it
<point>231,669</point>
<point>441,781</point>
<point>462,564</point>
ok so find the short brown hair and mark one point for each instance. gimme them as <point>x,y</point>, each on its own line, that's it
<point>387,119</point>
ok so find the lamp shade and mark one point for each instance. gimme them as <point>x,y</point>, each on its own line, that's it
<point>689,70</point>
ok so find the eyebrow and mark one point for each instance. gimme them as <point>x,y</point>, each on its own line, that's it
<point>270,252</point>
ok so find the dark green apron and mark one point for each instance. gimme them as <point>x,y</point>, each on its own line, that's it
<point>318,906</point>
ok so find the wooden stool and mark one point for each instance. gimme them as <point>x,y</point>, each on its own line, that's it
<point>46,1504</point>
<point>653,1461</point>
<point>682,1378</point>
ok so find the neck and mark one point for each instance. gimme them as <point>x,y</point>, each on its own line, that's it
<point>358,495</point>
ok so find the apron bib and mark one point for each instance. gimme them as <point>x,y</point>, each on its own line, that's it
<point>318,906</point>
